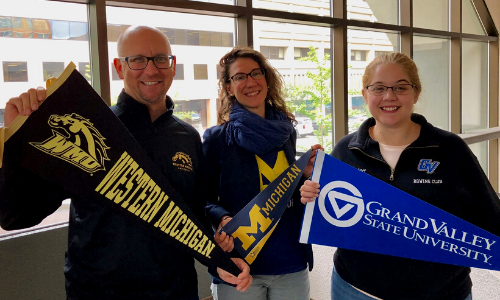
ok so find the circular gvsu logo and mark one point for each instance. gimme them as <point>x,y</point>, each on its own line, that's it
<point>334,191</point>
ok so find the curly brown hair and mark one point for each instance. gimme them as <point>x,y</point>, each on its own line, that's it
<point>273,78</point>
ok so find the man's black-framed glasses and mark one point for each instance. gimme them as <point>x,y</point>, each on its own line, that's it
<point>140,62</point>
<point>255,74</point>
<point>398,89</point>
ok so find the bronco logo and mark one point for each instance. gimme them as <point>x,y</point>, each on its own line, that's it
<point>182,161</point>
<point>75,140</point>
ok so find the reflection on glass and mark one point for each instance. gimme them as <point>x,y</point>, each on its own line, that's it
<point>436,18</point>
<point>39,38</point>
<point>197,41</point>
<point>474,86</point>
<point>292,49</point>
<point>363,47</point>
<point>310,7</point>
<point>379,11</point>
<point>475,93</point>
<point>470,20</point>
<point>432,56</point>
<point>480,150</point>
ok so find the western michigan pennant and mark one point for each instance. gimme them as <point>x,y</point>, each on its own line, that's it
<point>75,141</point>
<point>253,225</point>
<point>360,212</point>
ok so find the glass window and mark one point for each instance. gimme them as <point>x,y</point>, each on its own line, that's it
<point>41,54</point>
<point>475,92</point>
<point>114,74</point>
<point>380,11</point>
<point>179,72</point>
<point>358,55</point>
<point>273,52</point>
<point>300,52</point>
<point>432,56</point>
<point>52,69</point>
<point>311,7</point>
<point>365,46</point>
<point>470,20</point>
<point>302,77</point>
<point>194,62</point>
<point>84,69</point>
<point>193,37</point>
<point>200,72</point>
<point>436,18</point>
<point>15,71</point>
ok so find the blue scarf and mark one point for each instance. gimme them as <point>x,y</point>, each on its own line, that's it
<point>257,134</point>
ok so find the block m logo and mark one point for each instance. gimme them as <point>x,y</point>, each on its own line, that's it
<point>245,233</point>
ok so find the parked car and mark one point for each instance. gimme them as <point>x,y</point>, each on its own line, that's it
<point>355,121</point>
<point>195,117</point>
<point>304,126</point>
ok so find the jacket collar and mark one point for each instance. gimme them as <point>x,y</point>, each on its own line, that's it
<point>127,103</point>
<point>361,139</point>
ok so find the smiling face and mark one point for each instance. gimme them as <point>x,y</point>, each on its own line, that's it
<point>252,93</point>
<point>389,109</point>
<point>150,85</point>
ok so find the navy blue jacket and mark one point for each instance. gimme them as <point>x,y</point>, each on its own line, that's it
<point>231,180</point>
<point>458,185</point>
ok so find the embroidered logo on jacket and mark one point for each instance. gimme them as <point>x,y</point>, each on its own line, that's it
<point>75,140</point>
<point>427,165</point>
<point>182,161</point>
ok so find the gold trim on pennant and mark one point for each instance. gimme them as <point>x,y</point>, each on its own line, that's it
<point>52,86</point>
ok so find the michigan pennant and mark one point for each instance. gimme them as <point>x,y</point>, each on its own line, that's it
<point>75,141</point>
<point>357,211</point>
<point>254,224</point>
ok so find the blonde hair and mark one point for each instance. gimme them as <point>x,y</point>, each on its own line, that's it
<point>400,59</point>
<point>273,78</point>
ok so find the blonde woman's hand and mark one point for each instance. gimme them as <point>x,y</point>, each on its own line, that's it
<point>309,191</point>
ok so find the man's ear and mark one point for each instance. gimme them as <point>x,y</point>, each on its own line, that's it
<point>174,66</point>
<point>119,67</point>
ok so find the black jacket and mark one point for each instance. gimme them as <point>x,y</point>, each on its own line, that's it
<point>108,257</point>
<point>458,185</point>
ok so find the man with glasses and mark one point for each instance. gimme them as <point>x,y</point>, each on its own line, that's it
<point>108,257</point>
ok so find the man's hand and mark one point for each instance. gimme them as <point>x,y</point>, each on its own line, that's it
<point>309,191</point>
<point>223,240</point>
<point>310,164</point>
<point>23,105</point>
<point>244,279</point>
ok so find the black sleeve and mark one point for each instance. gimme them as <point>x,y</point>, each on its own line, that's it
<point>211,177</point>
<point>485,205</point>
<point>25,198</point>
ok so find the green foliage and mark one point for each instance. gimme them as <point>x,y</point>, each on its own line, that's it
<point>311,100</point>
<point>183,115</point>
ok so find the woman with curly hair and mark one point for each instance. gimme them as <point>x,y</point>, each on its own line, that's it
<point>253,143</point>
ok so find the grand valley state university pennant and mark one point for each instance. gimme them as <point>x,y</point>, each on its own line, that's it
<point>360,212</point>
<point>253,225</point>
<point>76,141</point>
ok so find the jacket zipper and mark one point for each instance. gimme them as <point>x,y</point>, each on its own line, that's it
<point>391,178</point>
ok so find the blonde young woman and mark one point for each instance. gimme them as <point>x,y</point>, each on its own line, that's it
<point>390,146</point>
<point>255,141</point>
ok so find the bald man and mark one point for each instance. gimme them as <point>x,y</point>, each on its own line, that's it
<point>108,257</point>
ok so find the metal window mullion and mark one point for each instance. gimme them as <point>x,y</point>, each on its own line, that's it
<point>493,110</point>
<point>98,43</point>
<point>455,88</point>
<point>406,19</point>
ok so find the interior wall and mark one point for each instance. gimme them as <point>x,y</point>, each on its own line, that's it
<point>31,267</point>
